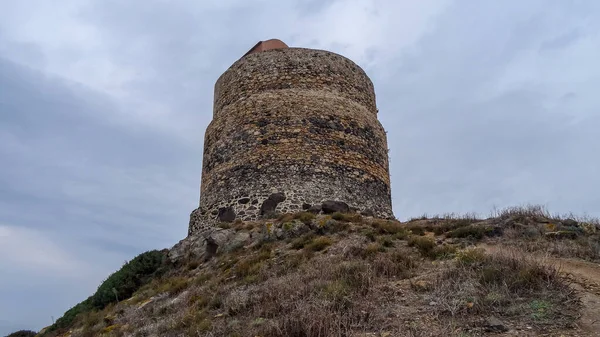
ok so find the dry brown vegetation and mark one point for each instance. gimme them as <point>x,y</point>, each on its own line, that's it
<point>348,275</point>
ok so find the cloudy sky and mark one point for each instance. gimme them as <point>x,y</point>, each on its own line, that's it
<point>104,103</point>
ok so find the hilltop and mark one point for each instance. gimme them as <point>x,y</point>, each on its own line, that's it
<point>520,272</point>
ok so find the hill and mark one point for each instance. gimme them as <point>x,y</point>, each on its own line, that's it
<point>520,272</point>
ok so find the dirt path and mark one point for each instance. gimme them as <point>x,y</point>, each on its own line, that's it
<point>586,280</point>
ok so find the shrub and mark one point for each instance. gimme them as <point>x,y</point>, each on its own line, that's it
<point>471,256</point>
<point>393,265</point>
<point>224,225</point>
<point>401,235</point>
<point>132,276</point>
<point>423,244</point>
<point>520,276</point>
<point>474,232</point>
<point>22,333</point>
<point>503,284</point>
<point>302,241</point>
<point>428,248</point>
<point>347,217</point>
<point>386,242</point>
<point>355,274</point>
<point>287,217</point>
<point>319,243</point>
<point>123,283</point>
<point>416,230</point>
<point>452,224</point>
<point>371,235</point>
<point>442,252</point>
<point>69,316</point>
<point>373,248</point>
<point>388,227</point>
<point>172,285</point>
<point>305,217</point>
<point>251,265</point>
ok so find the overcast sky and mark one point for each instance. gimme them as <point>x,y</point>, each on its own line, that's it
<point>104,104</point>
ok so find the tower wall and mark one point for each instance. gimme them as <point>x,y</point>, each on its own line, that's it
<point>292,128</point>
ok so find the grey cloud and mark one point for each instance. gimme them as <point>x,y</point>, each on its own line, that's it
<point>459,144</point>
<point>100,190</point>
<point>108,174</point>
<point>561,41</point>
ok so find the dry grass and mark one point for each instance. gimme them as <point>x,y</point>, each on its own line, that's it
<point>347,276</point>
<point>508,286</point>
<point>347,217</point>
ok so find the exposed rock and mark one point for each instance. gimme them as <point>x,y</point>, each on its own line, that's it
<point>290,230</point>
<point>194,246</point>
<point>316,209</point>
<point>220,236</point>
<point>244,201</point>
<point>269,205</point>
<point>493,324</point>
<point>239,239</point>
<point>202,245</point>
<point>226,214</point>
<point>277,197</point>
<point>331,206</point>
<point>306,206</point>
<point>367,212</point>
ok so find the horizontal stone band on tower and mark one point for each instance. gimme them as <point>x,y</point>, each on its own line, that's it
<point>292,128</point>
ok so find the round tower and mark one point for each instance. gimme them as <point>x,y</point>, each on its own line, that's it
<point>291,129</point>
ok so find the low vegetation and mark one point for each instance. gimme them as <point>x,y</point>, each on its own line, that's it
<point>22,333</point>
<point>344,274</point>
<point>118,286</point>
<point>509,286</point>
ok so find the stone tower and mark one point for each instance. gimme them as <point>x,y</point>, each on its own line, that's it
<point>291,129</point>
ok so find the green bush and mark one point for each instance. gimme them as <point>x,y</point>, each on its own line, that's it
<point>319,243</point>
<point>474,232</point>
<point>123,283</point>
<point>68,317</point>
<point>305,217</point>
<point>424,244</point>
<point>388,227</point>
<point>23,333</point>
<point>347,217</point>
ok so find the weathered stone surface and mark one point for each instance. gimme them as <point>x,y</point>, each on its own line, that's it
<point>203,244</point>
<point>493,324</point>
<point>226,214</point>
<point>194,246</point>
<point>277,197</point>
<point>268,206</point>
<point>316,209</point>
<point>331,206</point>
<point>290,230</point>
<point>367,212</point>
<point>294,121</point>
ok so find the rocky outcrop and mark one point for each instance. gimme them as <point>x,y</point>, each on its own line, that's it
<point>211,241</point>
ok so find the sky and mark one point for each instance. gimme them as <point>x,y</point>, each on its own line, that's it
<point>104,104</point>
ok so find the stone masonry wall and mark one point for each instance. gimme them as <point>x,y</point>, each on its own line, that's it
<point>292,128</point>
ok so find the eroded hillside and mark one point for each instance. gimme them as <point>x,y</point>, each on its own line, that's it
<point>521,272</point>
